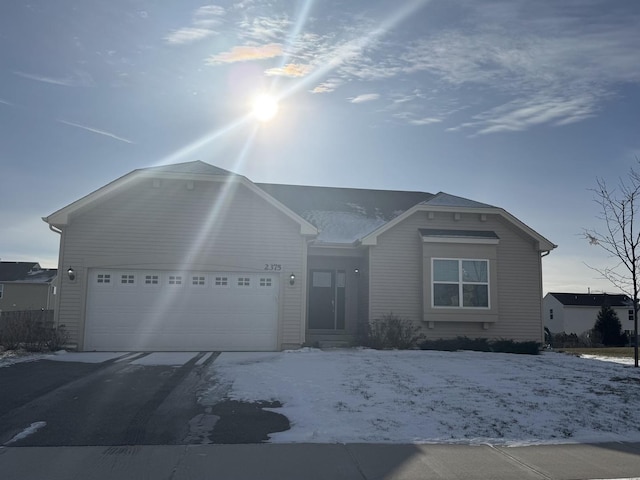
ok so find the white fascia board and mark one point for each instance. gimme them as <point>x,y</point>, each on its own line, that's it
<point>544,244</point>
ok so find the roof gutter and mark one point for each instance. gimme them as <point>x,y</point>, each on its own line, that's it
<point>52,228</point>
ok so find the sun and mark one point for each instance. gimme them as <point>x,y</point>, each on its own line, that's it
<point>264,107</point>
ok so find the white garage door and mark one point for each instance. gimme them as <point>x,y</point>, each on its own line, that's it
<point>162,310</point>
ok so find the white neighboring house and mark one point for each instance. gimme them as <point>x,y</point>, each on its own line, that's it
<point>577,312</point>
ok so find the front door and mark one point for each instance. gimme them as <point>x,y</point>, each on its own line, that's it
<point>327,299</point>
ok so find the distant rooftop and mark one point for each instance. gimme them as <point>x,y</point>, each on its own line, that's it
<point>592,299</point>
<point>25,272</point>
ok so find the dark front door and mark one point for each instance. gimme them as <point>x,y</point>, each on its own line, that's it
<point>327,299</point>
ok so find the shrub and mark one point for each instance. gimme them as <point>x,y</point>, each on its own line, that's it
<point>32,330</point>
<point>455,344</point>
<point>481,345</point>
<point>391,332</point>
<point>511,346</point>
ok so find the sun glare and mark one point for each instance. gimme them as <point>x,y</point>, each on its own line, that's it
<point>264,107</point>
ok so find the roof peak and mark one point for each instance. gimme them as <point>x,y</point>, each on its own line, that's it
<point>443,199</point>
<point>195,167</point>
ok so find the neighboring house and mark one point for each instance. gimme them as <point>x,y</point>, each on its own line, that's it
<point>577,312</point>
<point>26,286</point>
<point>193,257</point>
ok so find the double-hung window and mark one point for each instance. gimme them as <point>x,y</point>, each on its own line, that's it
<point>460,283</point>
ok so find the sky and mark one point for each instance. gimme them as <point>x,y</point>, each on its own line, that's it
<point>518,104</point>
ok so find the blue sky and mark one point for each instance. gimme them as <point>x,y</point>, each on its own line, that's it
<point>518,104</point>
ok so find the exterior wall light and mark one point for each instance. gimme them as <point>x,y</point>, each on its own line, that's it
<point>292,279</point>
<point>356,272</point>
<point>71,273</point>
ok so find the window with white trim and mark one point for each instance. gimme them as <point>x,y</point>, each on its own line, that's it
<point>103,278</point>
<point>197,280</point>
<point>460,283</point>
<point>244,281</point>
<point>151,279</point>
<point>221,282</point>
<point>175,279</point>
<point>127,279</point>
<point>266,281</point>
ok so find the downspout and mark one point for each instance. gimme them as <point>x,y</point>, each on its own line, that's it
<point>543,254</point>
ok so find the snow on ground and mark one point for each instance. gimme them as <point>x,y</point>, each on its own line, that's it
<point>374,396</point>
<point>83,357</point>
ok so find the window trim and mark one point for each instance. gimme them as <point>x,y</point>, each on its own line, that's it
<point>130,276</point>
<point>109,277</point>
<point>460,283</point>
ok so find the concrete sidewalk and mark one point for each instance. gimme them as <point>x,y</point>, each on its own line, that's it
<point>322,461</point>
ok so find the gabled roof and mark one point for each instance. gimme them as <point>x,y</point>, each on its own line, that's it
<point>592,299</point>
<point>344,215</point>
<point>444,202</point>
<point>195,171</point>
<point>25,272</point>
<point>197,167</point>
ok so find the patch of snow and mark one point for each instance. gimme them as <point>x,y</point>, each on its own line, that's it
<point>30,430</point>
<point>175,359</point>
<point>603,358</point>
<point>11,357</point>
<point>374,396</point>
<point>82,357</point>
<point>342,227</point>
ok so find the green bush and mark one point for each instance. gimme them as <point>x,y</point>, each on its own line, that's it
<point>391,332</point>
<point>481,345</point>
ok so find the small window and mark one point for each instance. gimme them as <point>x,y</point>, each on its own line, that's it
<point>151,279</point>
<point>1,290</point>
<point>631,317</point>
<point>104,278</point>
<point>175,279</point>
<point>551,314</point>
<point>222,282</point>
<point>127,279</point>
<point>197,280</point>
<point>265,282</point>
<point>244,281</point>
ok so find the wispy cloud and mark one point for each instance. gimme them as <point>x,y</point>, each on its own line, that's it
<point>328,86</point>
<point>245,53</point>
<point>205,19</point>
<point>5,102</point>
<point>289,70</point>
<point>77,79</point>
<point>366,97</point>
<point>97,131</point>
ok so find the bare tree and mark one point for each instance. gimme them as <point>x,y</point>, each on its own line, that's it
<point>620,237</point>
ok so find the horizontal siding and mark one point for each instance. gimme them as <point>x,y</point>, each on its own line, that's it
<point>172,227</point>
<point>397,284</point>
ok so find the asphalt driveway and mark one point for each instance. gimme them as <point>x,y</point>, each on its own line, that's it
<point>120,401</point>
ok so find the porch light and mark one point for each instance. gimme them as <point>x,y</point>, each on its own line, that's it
<point>292,279</point>
<point>71,273</point>
<point>356,272</point>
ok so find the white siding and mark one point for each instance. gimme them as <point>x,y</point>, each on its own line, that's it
<point>210,227</point>
<point>396,278</point>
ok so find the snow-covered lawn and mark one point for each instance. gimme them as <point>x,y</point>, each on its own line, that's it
<point>423,396</point>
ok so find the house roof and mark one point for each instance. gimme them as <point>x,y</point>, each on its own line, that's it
<point>344,215</point>
<point>197,167</point>
<point>442,199</point>
<point>25,272</point>
<point>592,299</point>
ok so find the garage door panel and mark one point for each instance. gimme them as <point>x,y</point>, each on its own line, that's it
<point>164,316</point>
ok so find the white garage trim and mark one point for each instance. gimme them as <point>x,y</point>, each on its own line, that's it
<point>155,310</point>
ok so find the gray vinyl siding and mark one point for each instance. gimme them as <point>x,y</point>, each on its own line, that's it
<point>397,285</point>
<point>174,228</point>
